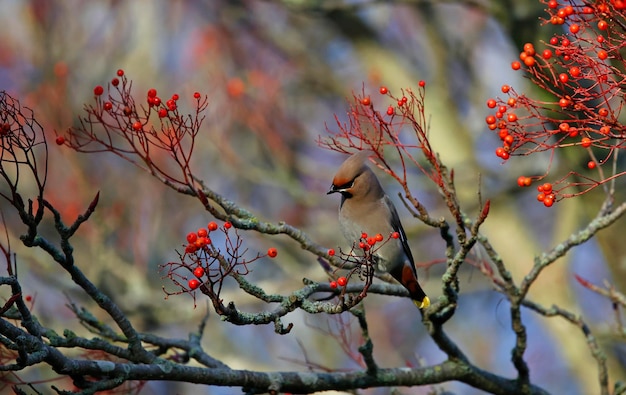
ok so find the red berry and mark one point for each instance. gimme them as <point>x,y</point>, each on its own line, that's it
<point>390,110</point>
<point>190,249</point>
<point>331,252</point>
<point>379,237</point>
<point>591,164</point>
<point>272,252</point>
<point>548,201</point>
<point>192,237</point>
<point>156,101</point>
<point>366,101</point>
<point>193,283</point>
<point>342,281</point>
<point>60,140</point>
<point>227,225</point>
<point>333,284</point>
<point>547,54</point>
<point>511,117</point>
<point>371,241</point>
<point>152,92</point>
<point>553,4</point>
<point>602,54</point>
<point>196,95</point>
<point>547,187</point>
<point>421,83</point>
<point>383,90</point>
<point>554,41</point>
<point>98,90</point>
<point>491,103</point>
<point>585,142</point>
<point>108,106</point>
<point>505,88</point>
<point>162,113</point>
<point>137,126</point>
<point>490,120</point>
<point>28,298</point>
<point>212,226</point>
<point>120,72</point>
<point>364,235</point>
<point>603,25</point>
<point>175,97</point>
<point>574,28</point>
<point>395,235</point>
<point>517,65</point>
<point>115,81</point>
<point>198,272</point>
<point>202,232</point>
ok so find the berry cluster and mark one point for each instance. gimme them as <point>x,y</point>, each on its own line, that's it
<point>367,246</point>
<point>581,70</point>
<point>208,264</point>
<point>152,134</point>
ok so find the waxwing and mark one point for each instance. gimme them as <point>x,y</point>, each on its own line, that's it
<point>365,208</point>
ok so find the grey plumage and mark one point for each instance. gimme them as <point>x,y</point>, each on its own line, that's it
<point>365,208</point>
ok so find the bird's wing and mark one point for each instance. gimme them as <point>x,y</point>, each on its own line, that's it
<point>397,226</point>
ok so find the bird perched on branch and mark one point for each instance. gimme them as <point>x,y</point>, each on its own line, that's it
<point>365,208</point>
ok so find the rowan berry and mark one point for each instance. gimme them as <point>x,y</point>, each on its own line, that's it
<point>107,106</point>
<point>120,72</point>
<point>390,110</point>
<point>333,284</point>
<point>364,235</point>
<point>198,272</point>
<point>383,90</point>
<point>574,28</point>
<point>546,54</point>
<point>212,226</point>
<point>202,232</point>
<point>602,54</point>
<point>421,83</point>
<point>585,142</point>
<point>366,101</point>
<point>505,88</point>
<point>511,117</point>
<point>331,252</point>
<point>548,201</point>
<point>591,165</point>
<point>379,237</point>
<point>227,225</point>
<point>342,281</point>
<point>137,126</point>
<point>115,81</point>
<point>491,103</point>
<point>371,241</point>
<point>272,252</point>
<point>196,95</point>
<point>193,283</point>
<point>517,65</point>
<point>574,71</point>
<point>564,78</point>
<point>603,25</point>
<point>60,140</point>
<point>162,113</point>
<point>152,92</point>
<point>529,61</point>
<point>98,90</point>
<point>192,237</point>
<point>395,235</point>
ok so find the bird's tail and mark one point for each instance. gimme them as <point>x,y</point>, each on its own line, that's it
<point>408,279</point>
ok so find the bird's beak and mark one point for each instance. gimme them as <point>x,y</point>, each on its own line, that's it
<point>333,189</point>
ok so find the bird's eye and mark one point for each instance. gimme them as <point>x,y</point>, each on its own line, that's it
<point>347,185</point>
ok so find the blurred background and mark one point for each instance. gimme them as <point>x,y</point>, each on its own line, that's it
<point>276,75</point>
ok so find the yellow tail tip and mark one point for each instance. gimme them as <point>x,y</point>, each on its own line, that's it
<point>423,304</point>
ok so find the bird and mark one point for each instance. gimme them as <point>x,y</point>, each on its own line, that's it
<point>366,208</point>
